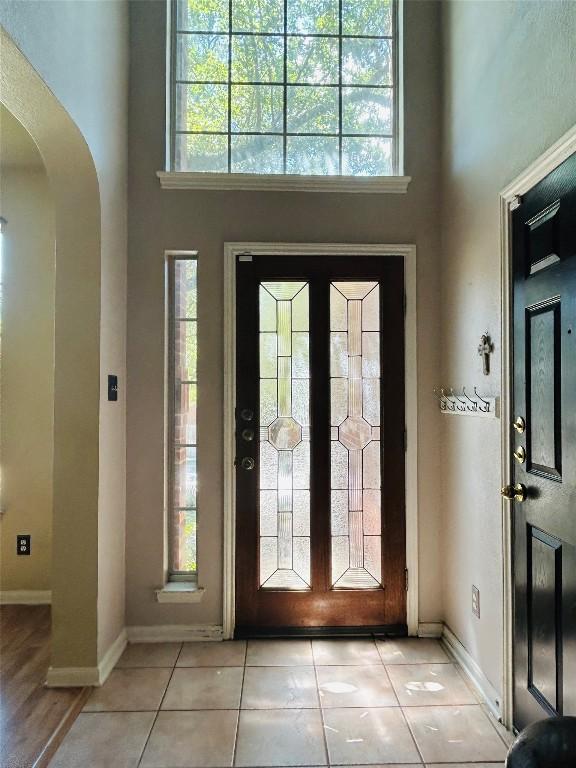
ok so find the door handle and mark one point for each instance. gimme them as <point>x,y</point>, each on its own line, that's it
<point>514,492</point>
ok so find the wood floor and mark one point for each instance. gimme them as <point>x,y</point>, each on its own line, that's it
<point>33,719</point>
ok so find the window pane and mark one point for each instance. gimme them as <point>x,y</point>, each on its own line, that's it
<point>257,154</point>
<point>355,462</point>
<point>312,60</point>
<point>367,110</point>
<point>320,17</point>
<point>203,15</point>
<point>265,16</point>
<point>201,153</point>
<point>312,110</point>
<point>185,276</point>
<point>184,477</point>
<point>184,543</point>
<point>366,62</point>
<point>257,59</point>
<point>366,157</point>
<point>202,107</point>
<point>185,352</point>
<point>284,466</point>
<point>312,155</point>
<point>185,414</point>
<point>258,108</point>
<point>202,57</point>
<point>368,17</point>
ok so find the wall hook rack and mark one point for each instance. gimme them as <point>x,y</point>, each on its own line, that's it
<point>464,404</point>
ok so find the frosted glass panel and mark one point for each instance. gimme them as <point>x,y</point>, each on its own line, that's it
<point>355,435</point>
<point>284,436</point>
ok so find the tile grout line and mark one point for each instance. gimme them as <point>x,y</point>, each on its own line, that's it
<point>159,706</point>
<point>235,746</point>
<point>322,721</point>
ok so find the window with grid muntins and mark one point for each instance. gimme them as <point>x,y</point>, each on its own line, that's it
<point>284,87</point>
<point>182,355</point>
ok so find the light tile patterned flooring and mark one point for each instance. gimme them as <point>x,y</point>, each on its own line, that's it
<point>265,703</point>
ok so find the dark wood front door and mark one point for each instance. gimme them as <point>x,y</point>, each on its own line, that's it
<point>320,510</point>
<point>544,444</point>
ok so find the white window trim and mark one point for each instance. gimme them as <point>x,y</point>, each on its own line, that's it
<point>284,183</point>
<point>180,592</point>
<point>408,252</point>
<point>393,184</point>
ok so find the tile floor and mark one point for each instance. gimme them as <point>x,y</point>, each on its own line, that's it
<point>268,703</point>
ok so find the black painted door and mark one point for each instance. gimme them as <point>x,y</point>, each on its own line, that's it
<point>544,448</point>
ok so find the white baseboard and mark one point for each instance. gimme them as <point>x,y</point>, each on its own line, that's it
<point>110,658</point>
<point>71,677</point>
<point>430,629</point>
<point>25,597</point>
<point>472,671</point>
<point>174,633</point>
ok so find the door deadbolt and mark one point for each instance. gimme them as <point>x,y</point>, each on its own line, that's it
<point>247,414</point>
<point>514,492</point>
<point>520,454</point>
<point>247,463</point>
<point>248,435</point>
<point>519,425</point>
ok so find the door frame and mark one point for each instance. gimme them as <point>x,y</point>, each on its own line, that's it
<point>532,175</point>
<point>408,253</point>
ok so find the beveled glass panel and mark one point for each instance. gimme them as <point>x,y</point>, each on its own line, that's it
<point>202,57</point>
<point>248,16</point>
<point>312,60</point>
<point>284,436</point>
<point>355,446</point>
<point>257,59</point>
<point>320,17</point>
<point>367,110</point>
<point>312,110</point>
<point>366,62</point>
<point>258,109</point>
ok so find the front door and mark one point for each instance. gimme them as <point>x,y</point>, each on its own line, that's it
<point>544,448</point>
<point>320,516</point>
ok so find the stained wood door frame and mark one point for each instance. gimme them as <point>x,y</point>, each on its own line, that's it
<point>538,170</point>
<point>408,253</point>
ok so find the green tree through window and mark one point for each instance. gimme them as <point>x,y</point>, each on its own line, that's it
<point>284,86</point>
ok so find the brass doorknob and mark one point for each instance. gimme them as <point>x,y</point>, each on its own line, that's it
<point>514,492</point>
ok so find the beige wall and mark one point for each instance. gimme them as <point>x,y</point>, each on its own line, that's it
<point>80,49</point>
<point>27,354</point>
<point>509,94</point>
<point>162,220</point>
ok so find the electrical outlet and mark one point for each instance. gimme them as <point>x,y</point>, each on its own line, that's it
<point>23,544</point>
<point>475,601</point>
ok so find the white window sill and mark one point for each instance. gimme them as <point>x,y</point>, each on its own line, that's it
<point>290,183</point>
<point>180,592</point>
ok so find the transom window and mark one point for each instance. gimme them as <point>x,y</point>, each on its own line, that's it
<point>284,87</point>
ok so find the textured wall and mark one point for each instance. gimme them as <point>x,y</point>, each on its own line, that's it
<point>179,219</point>
<point>27,370</point>
<point>509,94</point>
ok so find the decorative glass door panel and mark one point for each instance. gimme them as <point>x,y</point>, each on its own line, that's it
<point>355,434</point>
<point>284,435</point>
<point>319,356</point>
